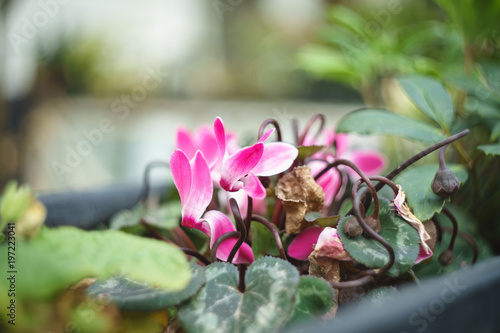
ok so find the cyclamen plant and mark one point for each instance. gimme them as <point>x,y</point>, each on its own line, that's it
<point>294,232</point>
<point>328,239</point>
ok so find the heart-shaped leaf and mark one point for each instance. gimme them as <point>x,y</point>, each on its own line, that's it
<point>416,182</point>
<point>266,304</point>
<point>377,121</point>
<point>57,258</point>
<point>263,241</point>
<point>397,232</point>
<point>134,296</point>
<point>430,97</point>
<point>314,298</point>
<point>165,216</point>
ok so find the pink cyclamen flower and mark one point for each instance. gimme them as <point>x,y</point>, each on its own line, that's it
<point>193,181</point>
<point>322,242</point>
<point>239,170</point>
<point>369,161</point>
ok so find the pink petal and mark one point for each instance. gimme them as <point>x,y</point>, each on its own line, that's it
<point>200,192</point>
<point>302,246</point>
<point>253,186</point>
<point>329,245</point>
<point>184,142</point>
<point>244,255</point>
<point>239,165</point>
<point>370,162</point>
<point>215,224</point>
<point>342,143</point>
<point>277,157</point>
<point>330,182</point>
<point>241,198</point>
<point>266,135</point>
<point>423,254</point>
<point>220,136</point>
<point>206,142</point>
<point>231,143</point>
<point>181,172</point>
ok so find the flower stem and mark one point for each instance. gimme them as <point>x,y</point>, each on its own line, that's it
<point>219,240</point>
<point>146,178</point>
<point>242,268</point>
<point>241,228</point>
<point>421,154</point>
<point>321,118</point>
<point>371,233</point>
<point>455,227</point>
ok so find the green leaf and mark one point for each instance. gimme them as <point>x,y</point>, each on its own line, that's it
<point>416,182</point>
<point>322,221</point>
<point>379,296</point>
<point>495,132</point>
<point>430,97</point>
<point>127,217</point>
<point>314,298</point>
<point>377,121</point>
<point>490,76</point>
<point>493,149</point>
<point>165,216</point>
<point>307,151</point>
<point>266,304</point>
<point>397,232</point>
<point>134,296</point>
<point>58,258</point>
<point>263,241</point>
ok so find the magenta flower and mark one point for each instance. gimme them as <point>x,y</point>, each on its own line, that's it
<point>321,242</point>
<point>240,169</point>
<point>370,162</point>
<point>193,181</point>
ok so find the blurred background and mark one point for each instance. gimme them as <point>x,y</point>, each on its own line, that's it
<point>91,91</point>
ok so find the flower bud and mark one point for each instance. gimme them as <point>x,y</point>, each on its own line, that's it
<point>30,223</point>
<point>445,183</point>
<point>446,257</point>
<point>352,228</point>
<point>373,223</point>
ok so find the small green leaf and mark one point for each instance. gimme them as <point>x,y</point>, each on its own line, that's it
<point>430,97</point>
<point>263,241</point>
<point>307,151</point>
<point>377,121</point>
<point>266,304</point>
<point>127,217</point>
<point>495,132</point>
<point>397,232</point>
<point>165,216</point>
<point>58,258</point>
<point>134,296</point>
<point>314,298</point>
<point>322,221</point>
<point>416,182</point>
<point>493,149</point>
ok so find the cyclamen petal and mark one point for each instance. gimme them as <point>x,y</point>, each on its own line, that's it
<point>404,211</point>
<point>184,142</point>
<point>200,193</point>
<point>302,246</point>
<point>181,173</point>
<point>253,187</point>
<point>276,158</point>
<point>266,135</point>
<point>215,224</point>
<point>239,165</point>
<point>370,162</point>
<point>244,255</point>
<point>329,245</point>
<point>220,136</point>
